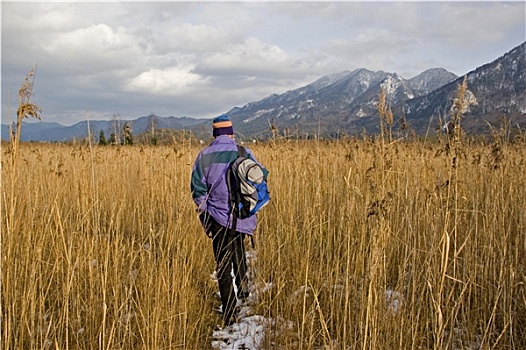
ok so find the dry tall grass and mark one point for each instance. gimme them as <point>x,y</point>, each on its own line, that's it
<point>364,246</point>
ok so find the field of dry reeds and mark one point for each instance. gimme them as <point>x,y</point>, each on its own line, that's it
<point>365,245</point>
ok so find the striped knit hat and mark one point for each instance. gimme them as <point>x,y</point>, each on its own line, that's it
<point>222,126</point>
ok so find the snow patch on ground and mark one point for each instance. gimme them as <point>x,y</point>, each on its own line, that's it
<point>248,333</point>
<point>249,330</point>
<point>394,300</point>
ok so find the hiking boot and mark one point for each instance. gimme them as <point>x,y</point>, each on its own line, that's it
<point>230,321</point>
<point>234,318</point>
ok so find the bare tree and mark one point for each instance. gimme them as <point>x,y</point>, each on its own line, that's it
<point>152,127</point>
<point>116,129</point>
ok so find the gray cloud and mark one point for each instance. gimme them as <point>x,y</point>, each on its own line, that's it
<point>201,59</point>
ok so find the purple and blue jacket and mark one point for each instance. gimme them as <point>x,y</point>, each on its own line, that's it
<point>209,187</point>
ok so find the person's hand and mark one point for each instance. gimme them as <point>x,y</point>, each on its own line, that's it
<point>204,218</point>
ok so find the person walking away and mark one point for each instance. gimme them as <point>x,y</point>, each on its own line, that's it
<point>211,195</point>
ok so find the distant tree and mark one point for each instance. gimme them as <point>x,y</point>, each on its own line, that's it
<point>102,138</point>
<point>115,128</point>
<point>152,127</point>
<point>113,139</point>
<point>128,139</point>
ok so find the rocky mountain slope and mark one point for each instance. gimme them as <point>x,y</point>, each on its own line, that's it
<point>346,102</point>
<point>497,89</point>
<point>333,103</point>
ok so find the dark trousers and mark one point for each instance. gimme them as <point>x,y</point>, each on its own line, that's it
<point>229,252</point>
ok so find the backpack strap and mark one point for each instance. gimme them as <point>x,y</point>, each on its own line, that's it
<point>241,151</point>
<point>234,198</point>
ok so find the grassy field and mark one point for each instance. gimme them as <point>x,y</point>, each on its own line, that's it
<point>365,245</point>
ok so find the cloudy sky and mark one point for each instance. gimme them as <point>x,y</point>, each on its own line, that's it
<point>200,59</point>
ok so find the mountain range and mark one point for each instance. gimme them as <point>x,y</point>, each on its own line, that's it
<point>335,103</point>
<point>345,103</point>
